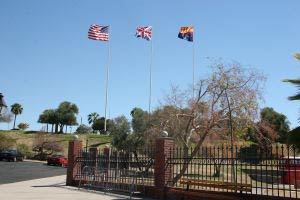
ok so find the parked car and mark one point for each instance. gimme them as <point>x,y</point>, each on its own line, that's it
<point>57,160</point>
<point>11,155</point>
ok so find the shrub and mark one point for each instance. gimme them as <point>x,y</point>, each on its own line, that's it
<point>82,129</point>
<point>254,153</point>
<point>45,145</point>
<point>23,126</point>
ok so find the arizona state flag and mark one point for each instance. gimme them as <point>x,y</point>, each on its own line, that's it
<point>186,33</point>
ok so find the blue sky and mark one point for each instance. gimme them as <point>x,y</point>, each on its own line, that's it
<point>46,57</point>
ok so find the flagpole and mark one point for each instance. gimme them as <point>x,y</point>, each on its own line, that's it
<point>193,65</point>
<point>150,78</point>
<point>107,78</point>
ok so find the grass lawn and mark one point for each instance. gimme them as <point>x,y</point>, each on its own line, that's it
<point>29,138</point>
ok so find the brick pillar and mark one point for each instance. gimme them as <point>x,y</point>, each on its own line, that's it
<point>162,172</point>
<point>75,146</point>
<point>94,154</point>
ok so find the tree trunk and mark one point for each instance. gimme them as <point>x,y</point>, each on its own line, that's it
<point>56,128</point>
<point>66,129</point>
<point>15,121</point>
<point>52,125</point>
<point>185,151</point>
<point>217,170</point>
<point>190,158</point>
<point>47,128</point>
<point>61,128</point>
<point>217,167</point>
<point>233,172</point>
<point>137,160</point>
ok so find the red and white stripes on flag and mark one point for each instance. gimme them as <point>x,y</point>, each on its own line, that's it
<point>97,32</point>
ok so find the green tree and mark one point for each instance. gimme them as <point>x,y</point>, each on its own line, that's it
<point>49,116</point>
<point>120,130</point>
<point>63,116</point>
<point>294,135</point>
<point>277,121</point>
<point>295,82</point>
<point>140,119</point>
<point>140,123</point>
<point>16,109</point>
<point>84,129</point>
<point>66,113</point>
<point>98,125</point>
<point>92,117</point>
<point>46,116</point>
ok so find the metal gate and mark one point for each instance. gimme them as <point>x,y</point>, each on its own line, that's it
<point>120,171</point>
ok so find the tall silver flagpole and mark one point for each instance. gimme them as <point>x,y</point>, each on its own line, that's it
<point>107,78</point>
<point>150,73</point>
<point>193,65</point>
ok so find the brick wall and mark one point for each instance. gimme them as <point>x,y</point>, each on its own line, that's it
<point>162,172</point>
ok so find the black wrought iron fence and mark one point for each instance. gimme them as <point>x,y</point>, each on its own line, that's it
<point>272,170</point>
<point>115,170</point>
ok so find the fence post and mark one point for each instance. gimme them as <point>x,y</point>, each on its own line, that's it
<point>94,154</point>
<point>106,152</point>
<point>162,171</point>
<point>75,146</point>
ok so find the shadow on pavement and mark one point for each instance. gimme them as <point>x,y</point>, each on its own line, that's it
<point>63,185</point>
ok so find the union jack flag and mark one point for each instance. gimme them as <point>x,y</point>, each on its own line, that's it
<point>144,32</point>
<point>97,32</point>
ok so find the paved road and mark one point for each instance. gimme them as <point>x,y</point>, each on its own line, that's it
<point>36,181</point>
<point>11,172</point>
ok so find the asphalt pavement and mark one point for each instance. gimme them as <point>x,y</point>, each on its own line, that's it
<point>11,172</point>
<point>52,188</point>
<point>31,180</point>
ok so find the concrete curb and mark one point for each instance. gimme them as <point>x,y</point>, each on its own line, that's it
<point>37,161</point>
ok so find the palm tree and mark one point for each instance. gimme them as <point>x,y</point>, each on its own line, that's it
<point>297,56</point>
<point>16,109</point>
<point>294,135</point>
<point>295,82</point>
<point>93,117</point>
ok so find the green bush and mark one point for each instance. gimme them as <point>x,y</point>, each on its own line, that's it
<point>23,126</point>
<point>254,154</point>
<point>82,129</point>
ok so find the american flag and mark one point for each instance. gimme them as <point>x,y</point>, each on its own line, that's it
<point>144,32</point>
<point>97,32</point>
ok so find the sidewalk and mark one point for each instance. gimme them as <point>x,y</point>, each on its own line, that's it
<point>52,188</point>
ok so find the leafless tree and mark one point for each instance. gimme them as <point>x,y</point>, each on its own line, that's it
<point>225,99</point>
<point>45,145</point>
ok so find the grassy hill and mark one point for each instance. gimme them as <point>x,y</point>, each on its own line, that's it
<point>26,140</point>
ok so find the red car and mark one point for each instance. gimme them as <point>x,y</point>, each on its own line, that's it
<point>57,160</point>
